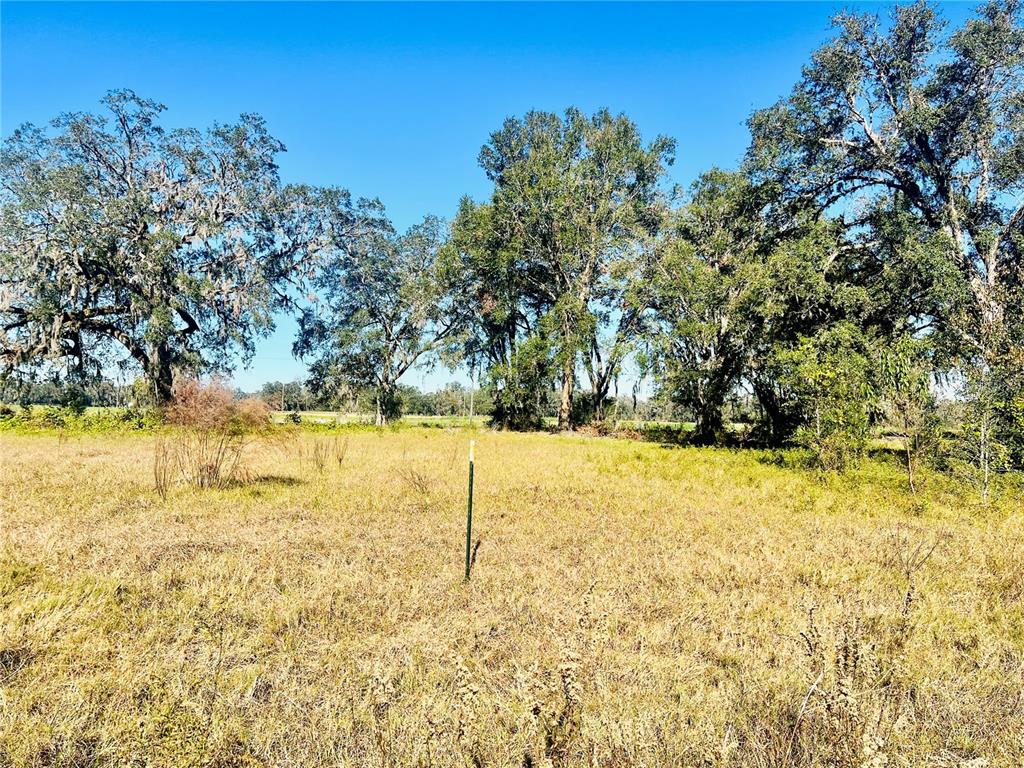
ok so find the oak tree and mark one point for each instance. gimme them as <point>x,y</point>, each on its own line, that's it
<point>124,243</point>
<point>573,199</point>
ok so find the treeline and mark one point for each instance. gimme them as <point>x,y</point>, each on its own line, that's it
<point>864,258</point>
<point>453,399</point>
<point>457,399</point>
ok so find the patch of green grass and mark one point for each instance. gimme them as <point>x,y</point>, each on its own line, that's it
<point>37,419</point>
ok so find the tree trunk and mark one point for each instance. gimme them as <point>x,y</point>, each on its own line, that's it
<point>600,396</point>
<point>565,403</point>
<point>778,424</point>
<point>568,376</point>
<point>984,458</point>
<point>709,423</point>
<point>910,466</point>
<point>388,408</point>
<point>160,375</point>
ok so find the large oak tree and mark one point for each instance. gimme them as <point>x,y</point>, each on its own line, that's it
<point>125,243</point>
<point>936,124</point>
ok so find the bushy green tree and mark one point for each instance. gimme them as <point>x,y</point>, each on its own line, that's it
<point>830,376</point>
<point>992,429</point>
<point>736,294</point>
<point>907,401</point>
<point>805,284</point>
<point>520,387</point>
<point>551,252</point>
<point>709,257</point>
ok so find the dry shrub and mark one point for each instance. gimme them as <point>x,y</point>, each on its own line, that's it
<point>415,479</point>
<point>163,466</point>
<point>908,550</point>
<point>212,407</point>
<point>325,452</point>
<point>213,430</point>
<point>558,718</point>
<point>629,433</point>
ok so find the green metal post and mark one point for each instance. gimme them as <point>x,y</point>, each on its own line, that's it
<point>469,513</point>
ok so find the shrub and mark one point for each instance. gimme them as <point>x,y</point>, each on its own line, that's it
<point>830,376</point>
<point>324,452</point>
<point>134,417</point>
<point>37,418</point>
<point>51,418</point>
<point>907,404</point>
<point>213,430</point>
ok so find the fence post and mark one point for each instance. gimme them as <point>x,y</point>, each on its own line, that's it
<point>469,513</point>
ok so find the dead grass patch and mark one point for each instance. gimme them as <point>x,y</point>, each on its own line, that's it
<point>632,605</point>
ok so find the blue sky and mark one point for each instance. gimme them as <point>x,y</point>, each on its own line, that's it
<point>394,100</point>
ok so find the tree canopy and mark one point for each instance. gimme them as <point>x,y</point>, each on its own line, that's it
<point>121,240</point>
<point>385,304</point>
<point>554,250</point>
<point>932,125</point>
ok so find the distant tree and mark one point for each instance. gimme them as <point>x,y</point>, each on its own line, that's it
<point>451,400</point>
<point>286,396</point>
<point>385,304</point>
<point>573,199</point>
<point>122,242</point>
<point>25,393</point>
<point>412,400</point>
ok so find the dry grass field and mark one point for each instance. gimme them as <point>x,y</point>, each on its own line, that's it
<point>631,605</point>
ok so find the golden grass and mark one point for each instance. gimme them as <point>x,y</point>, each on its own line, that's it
<point>631,604</point>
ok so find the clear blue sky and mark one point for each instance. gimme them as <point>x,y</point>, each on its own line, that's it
<point>394,100</point>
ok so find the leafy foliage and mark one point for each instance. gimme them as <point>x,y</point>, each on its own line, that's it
<point>907,402</point>
<point>123,242</point>
<point>557,251</point>
<point>913,140</point>
<point>829,375</point>
<point>385,305</point>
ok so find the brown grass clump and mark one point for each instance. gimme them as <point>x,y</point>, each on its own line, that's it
<point>634,605</point>
<point>212,429</point>
<point>322,453</point>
